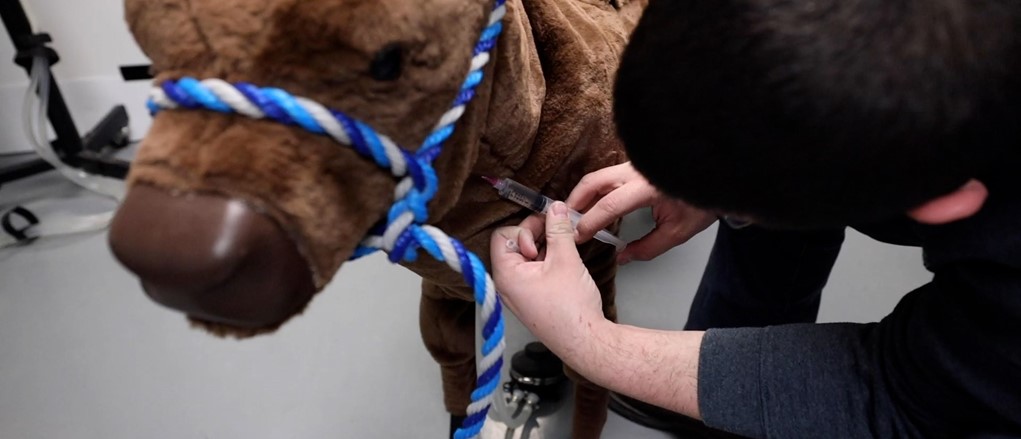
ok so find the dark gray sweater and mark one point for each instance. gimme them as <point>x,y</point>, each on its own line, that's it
<point>945,363</point>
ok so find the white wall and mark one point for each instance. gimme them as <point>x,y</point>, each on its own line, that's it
<point>93,42</point>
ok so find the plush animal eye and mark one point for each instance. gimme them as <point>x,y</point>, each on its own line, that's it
<point>386,64</point>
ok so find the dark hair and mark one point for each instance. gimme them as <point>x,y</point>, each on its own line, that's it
<point>821,112</point>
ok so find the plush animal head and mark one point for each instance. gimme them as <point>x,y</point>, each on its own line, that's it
<point>237,222</point>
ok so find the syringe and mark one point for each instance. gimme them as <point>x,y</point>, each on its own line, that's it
<point>540,203</point>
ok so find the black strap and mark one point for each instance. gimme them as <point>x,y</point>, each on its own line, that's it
<point>25,214</point>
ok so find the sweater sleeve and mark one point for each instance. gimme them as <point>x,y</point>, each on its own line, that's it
<point>793,381</point>
<point>945,363</point>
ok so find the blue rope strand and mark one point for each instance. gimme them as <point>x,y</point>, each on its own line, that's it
<point>267,105</point>
<point>476,419</point>
<point>362,251</point>
<point>493,373</point>
<point>492,31</point>
<point>494,338</point>
<point>177,95</point>
<point>487,330</point>
<point>465,96</point>
<point>255,96</point>
<point>470,430</point>
<point>374,145</point>
<point>414,168</point>
<point>202,95</point>
<point>480,281</point>
<point>485,46</point>
<point>432,154</point>
<point>485,388</point>
<point>432,184</point>
<point>400,250</point>
<point>429,245</point>
<point>462,255</point>
<point>293,110</point>
<point>473,80</point>
<point>417,203</point>
<point>437,138</point>
<point>349,125</point>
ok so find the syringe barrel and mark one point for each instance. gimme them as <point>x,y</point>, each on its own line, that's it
<point>536,202</point>
<point>524,196</point>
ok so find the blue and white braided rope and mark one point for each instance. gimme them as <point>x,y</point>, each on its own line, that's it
<point>404,231</point>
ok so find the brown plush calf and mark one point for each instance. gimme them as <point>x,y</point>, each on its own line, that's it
<point>238,222</point>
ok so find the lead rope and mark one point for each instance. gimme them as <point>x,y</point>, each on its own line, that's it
<point>404,231</point>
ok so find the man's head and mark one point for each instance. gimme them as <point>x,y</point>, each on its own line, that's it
<point>823,112</point>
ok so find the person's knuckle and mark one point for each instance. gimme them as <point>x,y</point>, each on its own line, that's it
<point>640,255</point>
<point>588,182</point>
<point>559,228</point>
<point>612,205</point>
<point>650,252</point>
<point>671,235</point>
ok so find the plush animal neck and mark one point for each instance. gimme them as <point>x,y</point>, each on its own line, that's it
<point>544,118</point>
<point>497,133</point>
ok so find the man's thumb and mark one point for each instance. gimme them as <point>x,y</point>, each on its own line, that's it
<point>560,233</point>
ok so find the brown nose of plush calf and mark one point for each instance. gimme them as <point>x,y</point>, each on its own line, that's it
<point>211,257</point>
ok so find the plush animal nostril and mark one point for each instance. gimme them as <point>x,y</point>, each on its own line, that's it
<point>387,63</point>
<point>211,257</point>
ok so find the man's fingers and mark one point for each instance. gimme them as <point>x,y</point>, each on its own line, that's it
<point>526,244</point>
<point>536,224</point>
<point>560,242</point>
<point>649,247</point>
<point>673,228</point>
<point>616,204</point>
<point>508,246</point>
<point>592,187</point>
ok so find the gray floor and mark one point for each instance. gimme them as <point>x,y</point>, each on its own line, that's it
<point>84,354</point>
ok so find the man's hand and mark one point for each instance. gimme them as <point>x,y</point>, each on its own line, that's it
<point>556,299</point>
<point>551,291</point>
<point>611,193</point>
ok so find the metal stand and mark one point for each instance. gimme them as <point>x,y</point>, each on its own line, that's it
<point>84,152</point>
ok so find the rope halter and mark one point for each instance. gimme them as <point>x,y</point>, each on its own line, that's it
<point>404,231</point>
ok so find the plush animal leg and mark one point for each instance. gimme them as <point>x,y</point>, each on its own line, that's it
<point>590,402</point>
<point>447,325</point>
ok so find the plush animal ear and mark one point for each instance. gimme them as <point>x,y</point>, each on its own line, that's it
<point>166,32</point>
<point>200,37</point>
<point>380,39</point>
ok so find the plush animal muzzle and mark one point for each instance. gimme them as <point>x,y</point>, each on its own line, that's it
<point>216,259</point>
<point>242,224</point>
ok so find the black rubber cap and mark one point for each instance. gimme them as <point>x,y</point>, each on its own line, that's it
<point>537,362</point>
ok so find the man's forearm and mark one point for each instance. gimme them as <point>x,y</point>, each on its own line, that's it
<point>658,367</point>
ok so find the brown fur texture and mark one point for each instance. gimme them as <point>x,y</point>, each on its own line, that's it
<point>542,116</point>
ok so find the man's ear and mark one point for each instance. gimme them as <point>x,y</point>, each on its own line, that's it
<point>957,205</point>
